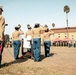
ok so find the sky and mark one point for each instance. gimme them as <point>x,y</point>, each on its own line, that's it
<point>37,11</point>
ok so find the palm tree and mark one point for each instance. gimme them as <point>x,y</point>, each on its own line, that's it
<point>67,10</point>
<point>53,25</point>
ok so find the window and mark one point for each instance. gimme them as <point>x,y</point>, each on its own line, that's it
<point>58,35</point>
<point>65,35</point>
<point>72,37</point>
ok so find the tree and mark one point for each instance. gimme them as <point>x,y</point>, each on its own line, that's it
<point>67,10</point>
<point>6,36</point>
<point>53,25</point>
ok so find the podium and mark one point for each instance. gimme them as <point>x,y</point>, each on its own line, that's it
<point>27,43</point>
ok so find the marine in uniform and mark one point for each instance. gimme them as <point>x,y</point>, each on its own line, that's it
<point>74,44</point>
<point>16,41</point>
<point>47,42</point>
<point>2,29</point>
<point>36,31</point>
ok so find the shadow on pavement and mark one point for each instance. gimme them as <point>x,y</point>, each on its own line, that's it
<point>14,62</point>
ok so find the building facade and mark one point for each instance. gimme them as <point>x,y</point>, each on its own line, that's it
<point>62,33</point>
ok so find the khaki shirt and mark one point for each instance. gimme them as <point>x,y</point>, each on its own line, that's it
<point>36,32</point>
<point>2,26</point>
<point>16,34</point>
<point>46,36</point>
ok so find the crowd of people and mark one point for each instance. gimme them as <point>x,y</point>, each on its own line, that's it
<point>33,38</point>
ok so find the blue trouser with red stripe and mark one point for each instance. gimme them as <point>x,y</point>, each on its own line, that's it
<point>47,48</point>
<point>36,48</point>
<point>1,50</point>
